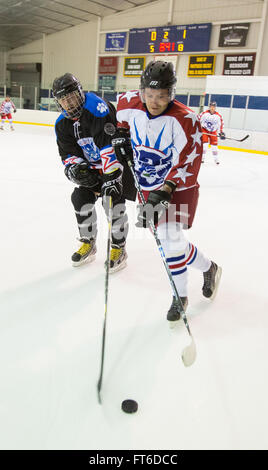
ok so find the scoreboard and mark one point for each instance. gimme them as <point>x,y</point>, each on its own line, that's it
<point>176,39</point>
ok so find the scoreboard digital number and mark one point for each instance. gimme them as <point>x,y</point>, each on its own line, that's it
<point>176,39</point>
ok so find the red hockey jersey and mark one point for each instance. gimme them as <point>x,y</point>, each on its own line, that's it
<point>166,147</point>
<point>211,122</point>
<point>7,107</point>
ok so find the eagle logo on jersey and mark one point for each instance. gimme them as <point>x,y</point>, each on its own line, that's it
<point>151,163</point>
<point>151,166</point>
<point>90,150</point>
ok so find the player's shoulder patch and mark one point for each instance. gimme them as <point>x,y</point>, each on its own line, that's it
<point>95,105</point>
<point>129,99</point>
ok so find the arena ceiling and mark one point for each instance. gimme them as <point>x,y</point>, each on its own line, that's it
<point>24,21</point>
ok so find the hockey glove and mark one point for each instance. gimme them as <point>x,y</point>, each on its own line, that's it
<point>112,185</point>
<point>157,203</point>
<point>15,110</point>
<point>121,143</point>
<point>81,174</point>
<point>222,135</point>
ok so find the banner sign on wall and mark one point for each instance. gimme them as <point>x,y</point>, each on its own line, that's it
<point>107,82</point>
<point>108,65</point>
<point>133,66</point>
<point>115,41</point>
<point>201,65</point>
<point>233,35</point>
<point>239,64</point>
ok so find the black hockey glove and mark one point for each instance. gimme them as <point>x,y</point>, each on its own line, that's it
<point>81,174</point>
<point>157,203</point>
<point>112,185</point>
<point>15,110</point>
<point>121,143</point>
<point>222,135</point>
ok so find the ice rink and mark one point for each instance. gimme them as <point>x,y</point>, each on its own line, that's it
<point>52,315</point>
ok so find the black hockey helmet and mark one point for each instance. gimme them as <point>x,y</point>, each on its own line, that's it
<point>213,103</point>
<point>159,75</point>
<point>69,88</point>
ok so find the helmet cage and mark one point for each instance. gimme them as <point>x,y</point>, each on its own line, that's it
<point>69,99</point>
<point>71,104</point>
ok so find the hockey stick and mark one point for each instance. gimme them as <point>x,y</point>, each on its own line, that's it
<point>229,138</point>
<point>189,352</point>
<point>106,294</point>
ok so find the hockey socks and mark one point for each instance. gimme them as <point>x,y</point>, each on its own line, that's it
<point>178,265</point>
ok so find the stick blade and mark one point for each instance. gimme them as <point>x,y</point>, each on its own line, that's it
<point>99,392</point>
<point>244,138</point>
<point>189,354</point>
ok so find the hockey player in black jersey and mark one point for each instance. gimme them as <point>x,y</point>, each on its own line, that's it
<point>90,163</point>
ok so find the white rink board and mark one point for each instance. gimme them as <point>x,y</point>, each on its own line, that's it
<point>32,116</point>
<point>257,140</point>
<point>256,86</point>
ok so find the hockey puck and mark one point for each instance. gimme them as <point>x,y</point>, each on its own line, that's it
<point>129,406</point>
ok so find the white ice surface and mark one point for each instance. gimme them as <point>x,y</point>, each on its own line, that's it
<point>52,315</point>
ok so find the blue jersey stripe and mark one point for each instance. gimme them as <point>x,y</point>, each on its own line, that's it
<point>175,273</point>
<point>192,260</point>
<point>177,258</point>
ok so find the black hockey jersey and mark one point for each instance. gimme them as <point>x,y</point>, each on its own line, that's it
<point>85,140</point>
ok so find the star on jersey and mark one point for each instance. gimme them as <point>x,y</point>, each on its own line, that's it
<point>182,174</point>
<point>192,116</point>
<point>197,137</point>
<point>129,95</point>
<point>192,156</point>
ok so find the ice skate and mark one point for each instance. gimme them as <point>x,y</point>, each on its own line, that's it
<point>174,313</point>
<point>211,281</point>
<point>118,258</point>
<point>12,128</point>
<point>1,128</point>
<point>86,252</point>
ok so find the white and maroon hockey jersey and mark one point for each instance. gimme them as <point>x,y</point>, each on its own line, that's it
<point>166,147</point>
<point>211,122</point>
<point>7,107</point>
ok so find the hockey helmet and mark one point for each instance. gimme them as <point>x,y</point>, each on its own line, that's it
<point>159,75</point>
<point>213,103</point>
<point>69,96</point>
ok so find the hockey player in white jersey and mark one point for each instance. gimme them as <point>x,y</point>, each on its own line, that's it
<point>166,146</point>
<point>6,108</point>
<point>212,124</point>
